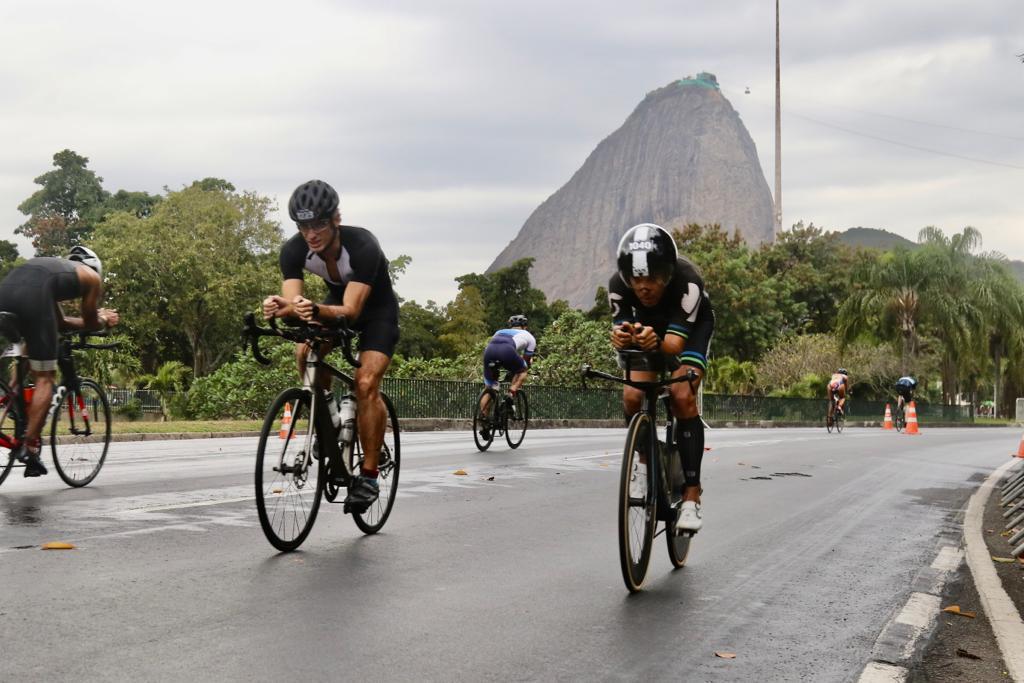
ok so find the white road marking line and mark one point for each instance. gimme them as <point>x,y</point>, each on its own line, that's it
<point>919,611</point>
<point>949,559</point>
<point>877,672</point>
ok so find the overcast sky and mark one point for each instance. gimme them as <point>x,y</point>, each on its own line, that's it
<point>444,124</point>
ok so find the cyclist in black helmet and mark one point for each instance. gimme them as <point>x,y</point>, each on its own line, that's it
<point>32,292</point>
<point>512,348</point>
<point>659,304</point>
<point>350,261</point>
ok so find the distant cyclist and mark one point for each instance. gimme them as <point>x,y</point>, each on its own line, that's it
<point>511,349</point>
<point>32,292</point>
<point>353,266</point>
<point>904,391</point>
<point>837,386</point>
<point>659,304</point>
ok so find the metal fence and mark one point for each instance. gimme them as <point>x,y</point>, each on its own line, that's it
<point>454,399</point>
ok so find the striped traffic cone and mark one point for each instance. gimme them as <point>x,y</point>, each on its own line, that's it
<point>912,419</point>
<point>888,418</point>
<point>1020,449</point>
<point>286,422</point>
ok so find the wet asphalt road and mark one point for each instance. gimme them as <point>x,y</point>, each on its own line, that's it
<point>472,579</point>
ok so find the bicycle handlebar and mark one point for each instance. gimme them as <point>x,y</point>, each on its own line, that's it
<point>299,332</point>
<point>588,371</point>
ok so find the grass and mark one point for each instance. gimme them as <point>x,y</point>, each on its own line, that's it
<point>1005,422</point>
<point>190,426</point>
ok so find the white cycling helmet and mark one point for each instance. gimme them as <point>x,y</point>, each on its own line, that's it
<point>87,257</point>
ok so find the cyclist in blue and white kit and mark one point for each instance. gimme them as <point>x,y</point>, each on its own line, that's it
<point>513,349</point>
<point>904,391</point>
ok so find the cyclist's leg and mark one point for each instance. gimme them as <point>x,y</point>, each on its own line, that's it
<point>689,434</point>
<point>829,393</point>
<point>520,376</point>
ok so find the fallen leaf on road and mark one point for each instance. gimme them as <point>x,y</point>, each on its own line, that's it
<point>1003,559</point>
<point>726,655</point>
<point>960,652</point>
<point>1007,533</point>
<point>490,478</point>
<point>604,464</point>
<point>955,609</point>
<point>459,473</point>
<point>707,448</point>
<point>58,545</point>
<point>276,489</point>
<point>743,464</point>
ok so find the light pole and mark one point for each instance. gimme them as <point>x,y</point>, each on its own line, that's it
<point>778,131</point>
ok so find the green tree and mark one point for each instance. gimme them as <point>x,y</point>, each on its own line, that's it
<point>421,327</point>
<point>506,292</point>
<point>139,204</point>
<point>66,208</point>
<point>183,276</point>
<point>569,342</point>
<point>9,257</point>
<point>465,325</point>
<point>169,379</point>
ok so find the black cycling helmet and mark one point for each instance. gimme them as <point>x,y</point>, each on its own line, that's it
<point>842,371</point>
<point>517,321</point>
<point>647,250</point>
<point>311,201</point>
<point>87,257</point>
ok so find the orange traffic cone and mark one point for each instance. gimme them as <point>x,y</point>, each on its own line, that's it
<point>1020,449</point>
<point>888,418</point>
<point>912,419</point>
<point>286,422</point>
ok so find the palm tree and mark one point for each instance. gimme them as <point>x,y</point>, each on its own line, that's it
<point>168,379</point>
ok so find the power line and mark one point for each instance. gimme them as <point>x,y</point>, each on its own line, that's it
<point>919,148</point>
<point>936,125</point>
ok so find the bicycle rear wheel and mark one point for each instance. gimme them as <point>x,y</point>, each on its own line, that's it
<point>372,518</point>
<point>636,502</point>
<point>84,434</point>
<point>518,416</point>
<point>288,481</point>
<point>829,423</point>
<point>12,426</point>
<point>840,422</point>
<point>486,422</point>
<point>899,419</point>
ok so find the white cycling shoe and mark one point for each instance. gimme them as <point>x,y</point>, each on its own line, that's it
<point>638,482</point>
<point>691,519</point>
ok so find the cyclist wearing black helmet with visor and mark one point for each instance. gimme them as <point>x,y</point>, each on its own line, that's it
<point>659,304</point>
<point>350,261</point>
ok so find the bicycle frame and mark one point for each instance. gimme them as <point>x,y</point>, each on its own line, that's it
<point>320,415</point>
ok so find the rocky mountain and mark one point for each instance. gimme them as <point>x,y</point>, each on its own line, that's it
<point>682,156</point>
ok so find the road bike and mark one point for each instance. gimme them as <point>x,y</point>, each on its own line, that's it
<point>838,419</point>
<point>651,479</point>
<point>899,416</point>
<point>506,414</point>
<point>79,414</point>
<point>302,455</point>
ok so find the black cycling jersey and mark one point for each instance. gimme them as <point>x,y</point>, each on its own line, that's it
<point>684,310</point>
<point>31,291</point>
<point>360,260</point>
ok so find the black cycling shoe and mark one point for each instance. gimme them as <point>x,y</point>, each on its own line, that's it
<point>362,493</point>
<point>34,466</point>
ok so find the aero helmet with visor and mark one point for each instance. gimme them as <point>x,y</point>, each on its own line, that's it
<point>87,257</point>
<point>647,250</point>
<point>312,201</point>
<point>842,371</point>
<point>517,321</point>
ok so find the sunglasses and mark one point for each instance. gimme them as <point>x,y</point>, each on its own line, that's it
<point>314,226</point>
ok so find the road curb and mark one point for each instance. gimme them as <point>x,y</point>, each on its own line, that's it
<point>1002,613</point>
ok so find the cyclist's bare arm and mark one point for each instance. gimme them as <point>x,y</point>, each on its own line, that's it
<point>356,294</point>
<point>275,306</point>
<point>93,317</point>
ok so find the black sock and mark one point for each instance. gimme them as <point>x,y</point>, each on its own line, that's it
<point>689,438</point>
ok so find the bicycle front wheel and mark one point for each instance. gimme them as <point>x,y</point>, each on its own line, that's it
<point>678,545</point>
<point>484,423</point>
<point>288,482</point>
<point>518,416</point>
<point>840,420</point>
<point>636,504</point>
<point>12,426</point>
<point>372,518</point>
<point>80,434</point>
<point>899,420</point>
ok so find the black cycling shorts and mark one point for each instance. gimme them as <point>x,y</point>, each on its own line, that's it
<point>31,294</point>
<point>377,333</point>
<point>502,352</point>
